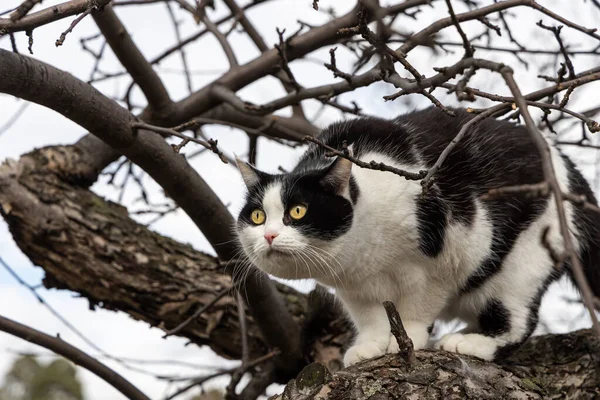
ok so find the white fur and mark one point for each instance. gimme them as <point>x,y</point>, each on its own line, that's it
<point>378,260</point>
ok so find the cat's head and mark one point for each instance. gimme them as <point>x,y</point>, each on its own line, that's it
<point>292,223</point>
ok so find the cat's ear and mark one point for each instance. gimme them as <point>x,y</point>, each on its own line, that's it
<point>337,176</point>
<point>250,175</point>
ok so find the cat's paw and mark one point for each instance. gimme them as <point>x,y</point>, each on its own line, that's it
<point>472,344</point>
<point>363,351</point>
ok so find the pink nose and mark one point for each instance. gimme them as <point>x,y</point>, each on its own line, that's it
<point>270,237</point>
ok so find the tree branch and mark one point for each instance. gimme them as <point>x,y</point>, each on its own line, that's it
<point>547,367</point>
<point>133,60</point>
<point>48,15</point>
<point>72,353</point>
<point>43,84</point>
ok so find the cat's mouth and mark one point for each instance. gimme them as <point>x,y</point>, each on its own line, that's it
<point>273,252</point>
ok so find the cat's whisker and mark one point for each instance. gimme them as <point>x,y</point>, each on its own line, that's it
<point>325,265</point>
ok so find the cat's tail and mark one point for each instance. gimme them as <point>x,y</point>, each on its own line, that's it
<point>586,219</point>
<point>588,223</point>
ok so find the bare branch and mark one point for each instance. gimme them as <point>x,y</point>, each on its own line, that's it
<point>214,29</point>
<point>133,60</point>
<point>379,166</point>
<point>63,36</point>
<point>556,31</point>
<point>74,354</point>
<point>466,44</point>
<point>48,15</point>
<point>209,145</point>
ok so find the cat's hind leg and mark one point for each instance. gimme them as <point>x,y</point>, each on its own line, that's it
<point>502,324</point>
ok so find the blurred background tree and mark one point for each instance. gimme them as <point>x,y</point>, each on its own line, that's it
<point>29,379</point>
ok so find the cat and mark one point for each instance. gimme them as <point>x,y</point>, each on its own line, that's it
<point>443,254</point>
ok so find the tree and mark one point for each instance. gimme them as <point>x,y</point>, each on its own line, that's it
<point>93,247</point>
<point>28,380</point>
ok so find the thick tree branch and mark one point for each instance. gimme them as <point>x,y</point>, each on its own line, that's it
<point>43,84</point>
<point>133,60</point>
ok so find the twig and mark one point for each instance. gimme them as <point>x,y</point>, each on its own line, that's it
<point>282,51</point>
<point>13,42</point>
<point>200,310</point>
<point>466,44</point>
<point>378,166</point>
<point>63,36</point>
<point>239,373</point>
<point>533,190</point>
<point>405,345</point>
<point>74,354</point>
<point>7,125</point>
<point>210,144</point>
<point>332,66</point>
<point>428,179</point>
<point>214,29</point>
<point>556,31</point>
<point>184,61</point>
<point>202,379</point>
<point>49,15</point>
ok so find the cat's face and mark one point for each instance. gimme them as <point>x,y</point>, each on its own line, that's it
<point>291,223</point>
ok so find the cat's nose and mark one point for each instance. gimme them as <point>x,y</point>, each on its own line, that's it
<point>270,236</point>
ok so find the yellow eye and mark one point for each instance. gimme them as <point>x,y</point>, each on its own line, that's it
<point>258,216</point>
<point>298,211</point>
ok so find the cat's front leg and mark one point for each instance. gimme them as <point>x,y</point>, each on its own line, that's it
<point>417,332</point>
<point>373,328</point>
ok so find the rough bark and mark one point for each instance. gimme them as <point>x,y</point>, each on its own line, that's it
<point>548,367</point>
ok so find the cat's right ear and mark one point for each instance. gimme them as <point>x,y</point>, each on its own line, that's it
<point>250,175</point>
<point>337,177</point>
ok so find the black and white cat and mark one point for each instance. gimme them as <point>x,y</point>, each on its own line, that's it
<point>373,236</point>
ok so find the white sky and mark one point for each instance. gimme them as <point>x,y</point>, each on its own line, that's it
<point>151,29</point>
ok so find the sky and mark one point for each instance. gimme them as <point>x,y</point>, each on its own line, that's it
<point>116,333</point>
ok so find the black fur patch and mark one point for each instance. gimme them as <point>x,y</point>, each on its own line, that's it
<point>510,217</point>
<point>328,215</point>
<point>432,221</point>
<point>494,320</point>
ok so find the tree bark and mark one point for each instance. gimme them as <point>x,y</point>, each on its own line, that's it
<point>547,367</point>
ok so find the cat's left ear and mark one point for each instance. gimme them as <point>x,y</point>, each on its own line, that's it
<point>250,175</point>
<point>337,176</point>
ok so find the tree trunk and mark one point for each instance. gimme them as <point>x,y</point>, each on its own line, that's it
<point>90,246</point>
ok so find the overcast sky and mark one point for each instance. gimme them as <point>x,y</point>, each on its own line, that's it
<point>116,333</point>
